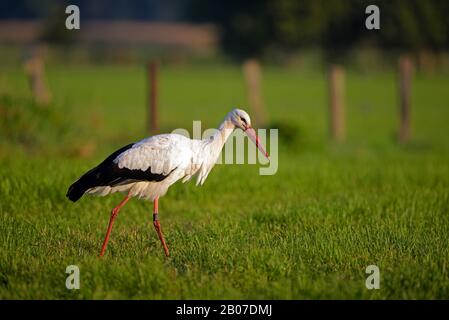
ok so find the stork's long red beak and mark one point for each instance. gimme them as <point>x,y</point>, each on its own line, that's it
<point>251,133</point>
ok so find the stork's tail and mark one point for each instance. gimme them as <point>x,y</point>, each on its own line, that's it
<point>101,175</point>
<point>80,186</point>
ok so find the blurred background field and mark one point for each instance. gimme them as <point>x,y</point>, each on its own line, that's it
<point>307,232</point>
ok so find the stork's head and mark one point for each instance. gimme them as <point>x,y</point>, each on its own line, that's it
<point>241,120</point>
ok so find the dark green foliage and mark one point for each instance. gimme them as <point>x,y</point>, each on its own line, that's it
<point>251,28</point>
<point>32,127</point>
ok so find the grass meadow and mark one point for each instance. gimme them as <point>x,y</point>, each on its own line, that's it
<point>307,232</point>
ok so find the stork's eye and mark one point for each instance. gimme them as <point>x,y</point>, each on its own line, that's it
<point>243,119</point>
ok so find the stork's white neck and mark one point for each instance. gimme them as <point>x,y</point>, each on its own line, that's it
<point>209,149</point>
<point>225,130</point>
<point>215,143</point>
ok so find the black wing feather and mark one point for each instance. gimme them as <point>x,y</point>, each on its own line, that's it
<point>108,173</point>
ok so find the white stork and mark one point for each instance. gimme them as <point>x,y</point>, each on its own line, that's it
<point>147,169</point>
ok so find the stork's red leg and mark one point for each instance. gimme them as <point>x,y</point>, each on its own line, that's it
<point>157,225</point>
<point>114,214</point>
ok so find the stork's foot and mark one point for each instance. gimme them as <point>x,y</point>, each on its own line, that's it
<point>157,226</point>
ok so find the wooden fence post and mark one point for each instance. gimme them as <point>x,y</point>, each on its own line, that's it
<point>153,68</point>
<point>253,77</point>
<point>34,68</point>
<point>337,103</point>
<point>405,82</point>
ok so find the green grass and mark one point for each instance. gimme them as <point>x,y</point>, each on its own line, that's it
<point>307,232</point>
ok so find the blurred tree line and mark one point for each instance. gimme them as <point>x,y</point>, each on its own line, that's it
<point>94,9</point>
<point>251,27</point>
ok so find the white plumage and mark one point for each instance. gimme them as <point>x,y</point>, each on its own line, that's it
<point>166,154</point>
